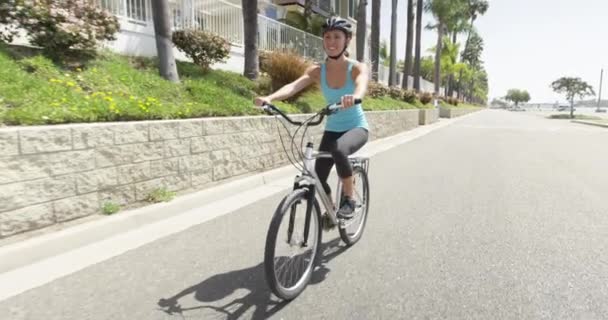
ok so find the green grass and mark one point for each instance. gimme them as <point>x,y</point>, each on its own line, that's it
<point>576,116</point>
<point>35,90</point>
<point>160,195</point>
<point>110,208</point>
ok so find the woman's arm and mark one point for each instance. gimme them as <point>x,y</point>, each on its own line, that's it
<point>309,77</point>
<point>361,79</point>
<point>361,76</point>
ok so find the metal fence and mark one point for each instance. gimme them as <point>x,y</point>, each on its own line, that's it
<point>224,19</point>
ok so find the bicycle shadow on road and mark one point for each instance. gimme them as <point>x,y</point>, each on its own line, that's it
<point>219,287</point>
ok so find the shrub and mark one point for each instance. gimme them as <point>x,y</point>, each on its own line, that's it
<point>377,90</point>
<point>395,93</point>
<point>263,85</point>
<point>409,96</point>
<point>426,97</point>
<point>58,26</point>
<point>284,67</point>
<point>202,47</point>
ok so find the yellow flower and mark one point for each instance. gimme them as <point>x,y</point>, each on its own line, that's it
<point>70,84</point>
<point>132,97</point>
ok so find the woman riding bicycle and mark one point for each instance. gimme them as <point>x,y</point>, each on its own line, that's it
<point>346,131</point>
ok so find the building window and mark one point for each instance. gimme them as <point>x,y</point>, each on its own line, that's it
<point>137,10</point>
<point>352,8</point>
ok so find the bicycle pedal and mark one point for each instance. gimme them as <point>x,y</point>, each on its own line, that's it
<point>327,224</point>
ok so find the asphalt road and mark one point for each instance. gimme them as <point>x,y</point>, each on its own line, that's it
<point>498,216</point>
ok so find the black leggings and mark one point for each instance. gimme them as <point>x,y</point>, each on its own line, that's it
<point>340,145</point>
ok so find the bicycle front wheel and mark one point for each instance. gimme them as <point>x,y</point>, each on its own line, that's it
<point>352,230</point>
<point>292,244</point>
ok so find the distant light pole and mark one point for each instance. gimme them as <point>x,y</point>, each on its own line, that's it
<point>599,98</point>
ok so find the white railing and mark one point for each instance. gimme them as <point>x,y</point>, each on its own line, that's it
<point>224,19</point>
<point>383,75</point>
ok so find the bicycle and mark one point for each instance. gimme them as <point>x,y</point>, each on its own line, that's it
<point>303,196</point>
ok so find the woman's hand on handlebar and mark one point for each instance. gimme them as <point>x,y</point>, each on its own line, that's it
<point>260,101</point>
<point>348,101</point>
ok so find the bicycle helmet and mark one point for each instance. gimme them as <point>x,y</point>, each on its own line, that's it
<point>338,23</point>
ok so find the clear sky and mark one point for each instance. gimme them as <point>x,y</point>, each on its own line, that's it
<point>530,43</point>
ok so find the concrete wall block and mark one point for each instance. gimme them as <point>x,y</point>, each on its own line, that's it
<point>9,143</point>
<point>121,195</point>
<point>96,180</point>
<point>201,177</point>
<point>25,219</point>
<point>76,207</point>
<point>34,166</point>
<point>164,167</point>
<point>213,126</point>
<point>134,173</point>
<point>241,125</point>
<point>176,148</point>
<point>195,162</point>
<point>164,131</point>
<point>190,128</point>
<point>45,140</point>
<point>126,154</point>
<point>131,133</point>
<point>177,182</point>
<point>91,137</point>
<point>23,194</point>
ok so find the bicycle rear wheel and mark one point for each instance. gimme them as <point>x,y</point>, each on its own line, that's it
<point>290,256</point>
<point>352,230</point>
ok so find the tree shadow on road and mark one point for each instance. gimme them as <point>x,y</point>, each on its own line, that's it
<point>219,287</point>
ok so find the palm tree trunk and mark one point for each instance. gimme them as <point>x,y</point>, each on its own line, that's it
<point>437,77</point>
<point>418,45</point>
<point>392,69</point>
<point>407,68</point>
<point>451,80</point>
<point>375,38</point>
<point>164,45</point>
<point>250,24</point>
<point>361,29</point>
<point>459,91</point>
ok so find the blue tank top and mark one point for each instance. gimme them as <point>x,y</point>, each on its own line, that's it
<point>344,119</point>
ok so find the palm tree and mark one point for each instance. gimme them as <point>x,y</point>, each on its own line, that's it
<point>392,79</point>
<point>162,29</point>
<point>407,68</point>
<point>458,23</point>
<point>375,38</point>
<point>472,56</point>
<point>417,57</point>
<point>361,29</point>
<point>475,8</point>
<point>443,11</point>
<point>250,24</point>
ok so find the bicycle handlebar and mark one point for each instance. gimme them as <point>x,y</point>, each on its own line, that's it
<point>329,109</point>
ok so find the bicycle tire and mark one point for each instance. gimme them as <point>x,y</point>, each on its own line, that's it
<point>351,239</point>
<point>283,208</point>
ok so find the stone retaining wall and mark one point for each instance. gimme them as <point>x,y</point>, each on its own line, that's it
<point>428,116</point>
<point>53,174</point>
<point>455,112</point>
